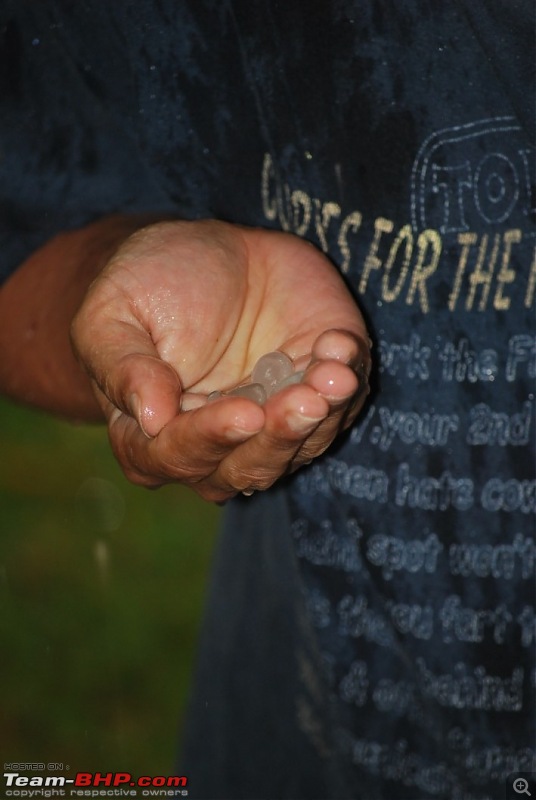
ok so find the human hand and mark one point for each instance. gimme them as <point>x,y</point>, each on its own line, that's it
<point>186,308</point>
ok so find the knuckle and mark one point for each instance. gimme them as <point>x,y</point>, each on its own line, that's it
<point>214,495</point>
<point>315,446</point>
<point>257,479</point>
<point>186,471</point>
<point>140,479</point>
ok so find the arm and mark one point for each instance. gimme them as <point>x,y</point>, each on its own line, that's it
<point>37,306</point>
<point>172,312</point>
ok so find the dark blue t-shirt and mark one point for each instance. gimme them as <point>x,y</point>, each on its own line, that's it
<point>371,622</point>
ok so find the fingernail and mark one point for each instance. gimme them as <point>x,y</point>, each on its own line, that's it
<point>239,434</point>
<point>114,416</point>
<point>134,404</point>
<point>302,424</point>
<point>242,428</point>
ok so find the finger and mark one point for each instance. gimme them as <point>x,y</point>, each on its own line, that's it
<point>301,419</point>
<point>291,416</point>
<point>190,448</point>
<point>124,364</point>
<point>339,386</point>
<point>334,381</point>
<point>342,416</point>
<point>343,346</point>
<point>344,390</point>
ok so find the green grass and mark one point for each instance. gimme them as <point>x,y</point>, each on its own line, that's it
<point>102,586</point>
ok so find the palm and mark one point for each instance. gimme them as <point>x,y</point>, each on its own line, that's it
<point>213,311</point>
<point>186,308</point>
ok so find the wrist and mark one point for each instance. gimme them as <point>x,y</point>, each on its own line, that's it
<point>37,306</point>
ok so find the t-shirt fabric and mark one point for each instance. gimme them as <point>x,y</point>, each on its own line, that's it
<point>371,624</point>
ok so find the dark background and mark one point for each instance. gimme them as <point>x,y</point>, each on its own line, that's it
<point>101,592</point>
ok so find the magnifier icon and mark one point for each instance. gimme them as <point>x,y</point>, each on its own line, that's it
<point>521,786</point>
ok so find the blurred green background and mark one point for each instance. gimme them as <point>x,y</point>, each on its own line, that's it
<point>102,587</point>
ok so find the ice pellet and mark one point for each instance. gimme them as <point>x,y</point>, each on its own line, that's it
<point>251,391</point>
<point>290,380</point>
<point>271,369</point>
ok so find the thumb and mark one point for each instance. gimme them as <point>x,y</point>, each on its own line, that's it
<point>146,388</point>
<point>125,366</point>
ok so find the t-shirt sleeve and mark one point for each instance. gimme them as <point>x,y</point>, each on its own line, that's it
<point>67,151</point>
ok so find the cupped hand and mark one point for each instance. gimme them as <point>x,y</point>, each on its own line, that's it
<point>187,308</point>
